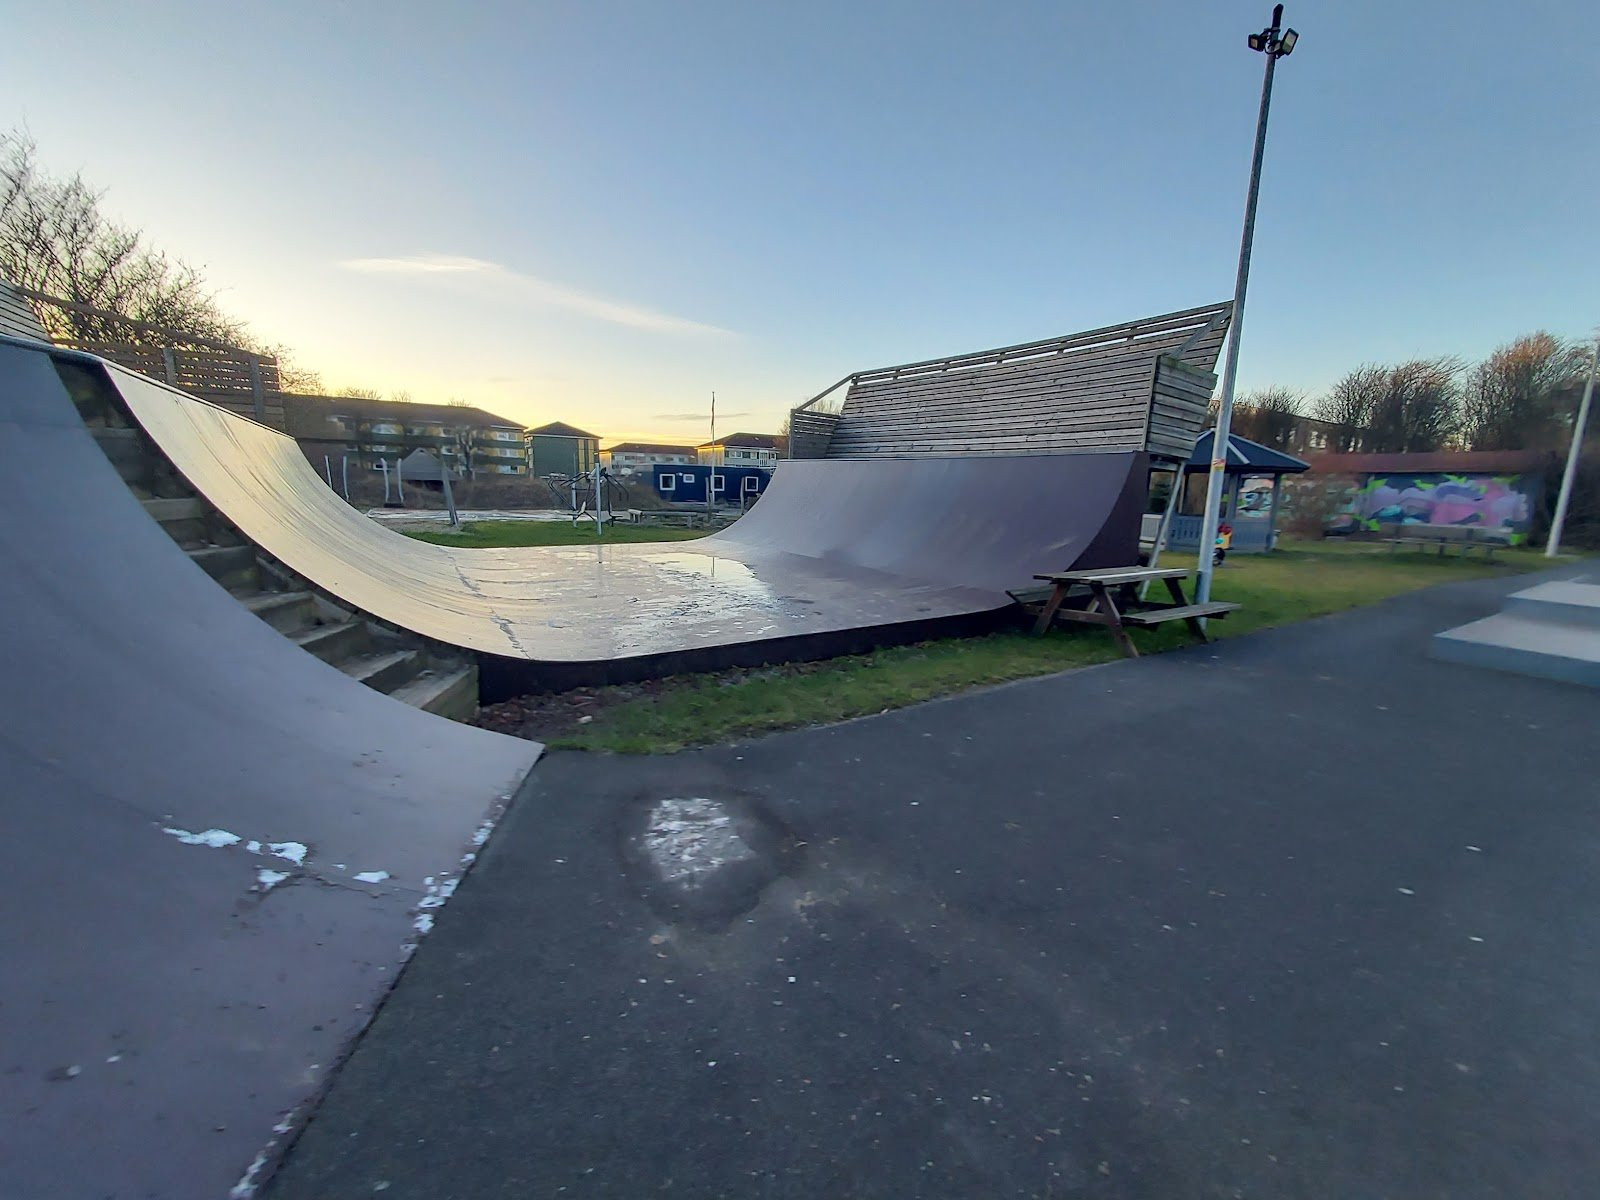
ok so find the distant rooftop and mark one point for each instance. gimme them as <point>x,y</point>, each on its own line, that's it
<point>648,448</point>
<point>403,411</point>
<point>759,441</point>
<point>561,429</point>
<point>1507,462</point>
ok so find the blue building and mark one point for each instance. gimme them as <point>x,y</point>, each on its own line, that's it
<point>686,483</point>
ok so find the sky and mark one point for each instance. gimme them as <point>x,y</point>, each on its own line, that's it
<point>602,212</point>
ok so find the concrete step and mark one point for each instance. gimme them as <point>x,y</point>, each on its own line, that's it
<point>284,611</point>
<point>334,643</point>
<point>444,693</point>
<point>385,670</point>
<point>1524,646</point>
<point>1565,601</point>
<point>231,566</point>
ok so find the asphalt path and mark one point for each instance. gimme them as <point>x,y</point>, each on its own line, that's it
<point>1301,914</point>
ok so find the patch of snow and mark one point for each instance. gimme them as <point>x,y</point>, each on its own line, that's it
<point>422,922</point>
<point>372,876</point>
<point>270,879</point>
<point>215,838</point>
<point>253,846</point>
<point>295,852</point>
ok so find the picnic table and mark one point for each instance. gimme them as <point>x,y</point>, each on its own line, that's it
<point>1114,602</point>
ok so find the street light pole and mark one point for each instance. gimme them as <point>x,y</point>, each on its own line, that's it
<point>1275,42</point>
<point>1552,546</point>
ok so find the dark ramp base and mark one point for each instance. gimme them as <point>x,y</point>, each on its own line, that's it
<point>1026,949</point>
<point>501,678</point>
<point>164,1004</point>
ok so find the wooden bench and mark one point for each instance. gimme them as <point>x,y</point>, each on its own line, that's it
<point>1468,537</point>
<point>1116,611</point>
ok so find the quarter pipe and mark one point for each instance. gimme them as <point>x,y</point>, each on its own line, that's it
<point>216,848</point>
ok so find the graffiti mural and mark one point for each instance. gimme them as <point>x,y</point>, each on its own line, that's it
<point>1492,501</point>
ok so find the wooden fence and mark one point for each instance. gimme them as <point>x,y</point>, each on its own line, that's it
<point>230,376</point>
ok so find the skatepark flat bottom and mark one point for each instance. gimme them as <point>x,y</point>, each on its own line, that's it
<point>1289,915</point>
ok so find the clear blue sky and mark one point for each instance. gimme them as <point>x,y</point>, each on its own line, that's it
<point>598,212</point>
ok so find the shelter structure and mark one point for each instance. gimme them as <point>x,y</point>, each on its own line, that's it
<point>1253,499</point>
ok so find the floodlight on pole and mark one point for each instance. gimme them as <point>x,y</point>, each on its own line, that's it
<point>1275,42</point>
<point>1552,546</point>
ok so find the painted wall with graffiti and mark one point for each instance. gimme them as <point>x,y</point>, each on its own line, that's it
<point>1490,501</point>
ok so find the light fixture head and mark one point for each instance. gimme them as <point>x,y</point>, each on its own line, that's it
<point>1287,41</point>
<point>1258,41</point>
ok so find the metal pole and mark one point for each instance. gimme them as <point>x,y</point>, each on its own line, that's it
<point>1165,527</point>
<point>1219,443</point>
<point>711,473</point>
<point>344,475</point>
<point>399,479</point>
<point>327,469</point>
<point>1553,544</point>
<point>449,496</point>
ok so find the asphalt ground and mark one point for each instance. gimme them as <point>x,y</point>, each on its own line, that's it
<point>1303,914</point>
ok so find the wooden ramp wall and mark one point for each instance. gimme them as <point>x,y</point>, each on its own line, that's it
<point>1143,385</point>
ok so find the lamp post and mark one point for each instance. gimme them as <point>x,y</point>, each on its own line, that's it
<point>1275,42</point>
<point>1552,546</point>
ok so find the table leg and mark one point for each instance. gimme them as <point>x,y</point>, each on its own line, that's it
<point>1052,606</point>
<point>1114,619</point>
<point>1196,626</point>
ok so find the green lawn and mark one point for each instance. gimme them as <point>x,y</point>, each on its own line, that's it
<point>1300,581</point>
<point>483,534</point>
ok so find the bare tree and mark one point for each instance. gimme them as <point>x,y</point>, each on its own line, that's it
<point>1350,405</point>
<point>1420,406</point>
<point>1522,396</point>
<point>1269,416</point>
<point>55,239</point>
<point>360,393</point>
<point>1415,406</point>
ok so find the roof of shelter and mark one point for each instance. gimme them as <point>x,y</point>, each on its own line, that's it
<point>1245,456</point>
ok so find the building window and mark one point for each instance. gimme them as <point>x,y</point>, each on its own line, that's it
<point>718,483</point>
<point>667,483</point>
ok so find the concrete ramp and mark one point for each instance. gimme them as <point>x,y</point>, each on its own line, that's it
<point>1551,630</point>
<point>836,555</point>
<point>216,849</point>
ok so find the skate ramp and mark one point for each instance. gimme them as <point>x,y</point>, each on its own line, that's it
<point>833,547</point>
<point>169,995</point>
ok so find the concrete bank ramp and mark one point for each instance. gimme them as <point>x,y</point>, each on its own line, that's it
<point>834,547</point>
<point>1551,630</point>
<point>216,849</point>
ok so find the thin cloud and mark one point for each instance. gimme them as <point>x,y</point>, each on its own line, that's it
<point>477,271</point>
<point>699,416</point>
